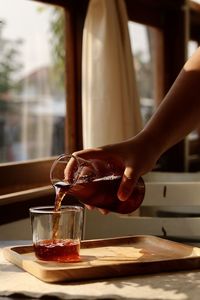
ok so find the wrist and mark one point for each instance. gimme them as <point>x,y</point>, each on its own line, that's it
<point>152,143</point>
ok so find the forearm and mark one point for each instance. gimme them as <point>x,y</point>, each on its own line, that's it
<point>179,113</point>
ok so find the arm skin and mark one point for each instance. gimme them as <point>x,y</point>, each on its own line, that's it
<point>177,115</point>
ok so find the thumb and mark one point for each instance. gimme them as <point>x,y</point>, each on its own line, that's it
<point>127,184</point>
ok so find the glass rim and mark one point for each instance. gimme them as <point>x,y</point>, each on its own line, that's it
<point>61,160</point>
<point>50,209</point>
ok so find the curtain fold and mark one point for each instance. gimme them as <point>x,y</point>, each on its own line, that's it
<point>110,100</point>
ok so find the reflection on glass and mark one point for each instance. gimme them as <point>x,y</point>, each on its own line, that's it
<point>32,95</point>
<point>140,43</point>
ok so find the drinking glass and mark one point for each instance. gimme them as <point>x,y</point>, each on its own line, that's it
<point>57,234</point>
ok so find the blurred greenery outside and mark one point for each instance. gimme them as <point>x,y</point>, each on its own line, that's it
<point>16,99</point>
<point>11,88</point>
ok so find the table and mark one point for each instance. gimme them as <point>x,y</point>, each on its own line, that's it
<point>15,284</point>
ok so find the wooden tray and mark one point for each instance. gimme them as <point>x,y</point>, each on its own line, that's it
<point>110,258</point>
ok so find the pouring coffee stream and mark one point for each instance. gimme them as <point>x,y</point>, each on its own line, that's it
<point>92,182</point>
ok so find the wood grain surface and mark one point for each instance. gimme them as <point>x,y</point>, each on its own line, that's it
<point>113,257</point>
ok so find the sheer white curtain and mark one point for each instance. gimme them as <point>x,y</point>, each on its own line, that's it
<point>111,109</point>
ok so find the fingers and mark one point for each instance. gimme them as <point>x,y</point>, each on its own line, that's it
<point>59,170</point>
<point>79,166</point>
<point>127,184</point>
<point>70,169</point>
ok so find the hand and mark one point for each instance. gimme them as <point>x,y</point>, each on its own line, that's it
<point>136,157</point>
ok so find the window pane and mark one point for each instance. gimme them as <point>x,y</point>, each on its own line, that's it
<point>32,95</point>
<point>140,43</point>
<point>192,47</point>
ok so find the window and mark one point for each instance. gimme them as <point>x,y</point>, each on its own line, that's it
<point>34,39</point>
<point>143,62</point>
<point>32,80</point>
